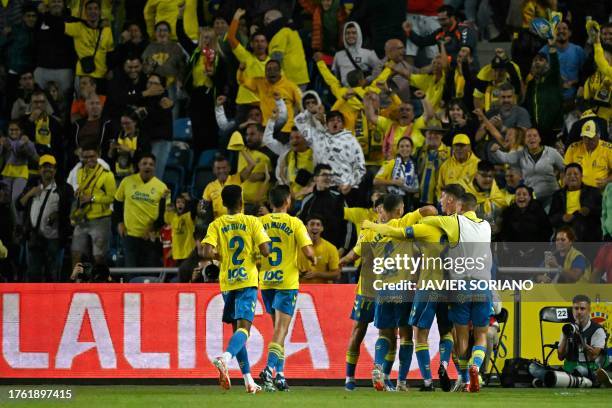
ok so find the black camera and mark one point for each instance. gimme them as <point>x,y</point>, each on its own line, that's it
<point>569,329</point>
<point>85,276</point>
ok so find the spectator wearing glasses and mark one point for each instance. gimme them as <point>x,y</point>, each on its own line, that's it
<point>91,214</point>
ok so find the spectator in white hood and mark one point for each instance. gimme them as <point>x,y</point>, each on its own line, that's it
<point>353,56</point>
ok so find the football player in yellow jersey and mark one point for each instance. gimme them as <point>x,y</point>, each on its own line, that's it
<point>466,235</point>
<point>391,314</point>
<point>426,304</point>
<point>234,238</point>
<point>279,279</point>
<point>363,308</point>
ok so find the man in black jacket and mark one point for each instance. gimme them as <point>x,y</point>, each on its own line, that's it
<point>46,206</point>
<point>127,88</point>
<point>55,55</point>
<point>329,204</point>
<point>577,206</point>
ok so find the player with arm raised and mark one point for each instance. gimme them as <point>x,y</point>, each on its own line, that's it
<point>279,279</point>
<point>363,308</point>
<point>235,238</point>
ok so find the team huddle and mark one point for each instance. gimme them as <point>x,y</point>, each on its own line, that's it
<point>236,240</point>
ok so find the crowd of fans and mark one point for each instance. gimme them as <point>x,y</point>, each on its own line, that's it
<point>340,100</point>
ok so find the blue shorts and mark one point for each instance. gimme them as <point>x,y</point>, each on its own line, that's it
<point>472,310</point>
<point>282,300</point>
<point>363,310</point>
<point>389,315</point>
<point>425,308</point>
<point>239,305</point>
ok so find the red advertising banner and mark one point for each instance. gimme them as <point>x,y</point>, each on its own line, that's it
<point>167,330</point>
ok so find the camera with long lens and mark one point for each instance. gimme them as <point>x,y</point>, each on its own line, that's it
<point>569,329</point>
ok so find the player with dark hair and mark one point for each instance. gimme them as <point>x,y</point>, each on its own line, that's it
<point>279,279</point>
<point>234,238</point>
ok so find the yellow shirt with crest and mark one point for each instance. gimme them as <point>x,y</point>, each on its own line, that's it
<point>142,201</point>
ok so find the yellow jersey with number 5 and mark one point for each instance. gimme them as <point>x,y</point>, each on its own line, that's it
<point>288,235</point>
<point>236,238</point>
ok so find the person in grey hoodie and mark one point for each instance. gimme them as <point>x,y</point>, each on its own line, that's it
<point>362,58</point>
<point>539,164</point>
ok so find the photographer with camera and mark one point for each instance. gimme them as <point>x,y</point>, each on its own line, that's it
<point>89,273</point>
<point>582,348</point>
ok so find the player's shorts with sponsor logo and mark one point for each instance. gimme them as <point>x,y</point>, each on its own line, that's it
<point>282,300</point>
<point>239,304</point>
<point>363,309</point>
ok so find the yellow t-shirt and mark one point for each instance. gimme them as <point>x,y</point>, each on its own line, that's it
<point>327,260</point>
<point>453,172</point>
<point>236,238</point>
<point>386,125</point>
<point>265,91</point>
<point>288,235</point>
<point>595,165</point>
<point>573,202</point>
<point>255,68</point>
<point>212,193</point>
<point>182,234</point>
<point>102,187</point>
<point>85,39</point>
<point>141,203</point>
<point>255,191</point>
<point>433,90</point>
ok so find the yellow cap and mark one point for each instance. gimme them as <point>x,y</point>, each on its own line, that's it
<point>47,159</point>
<point>589,129</point>
<point>235,143</point>
<point>461,139</point>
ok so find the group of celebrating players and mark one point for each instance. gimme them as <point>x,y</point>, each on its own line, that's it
<point>237,240</point>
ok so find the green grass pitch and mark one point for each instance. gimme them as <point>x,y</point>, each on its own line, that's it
<point>307,397</point>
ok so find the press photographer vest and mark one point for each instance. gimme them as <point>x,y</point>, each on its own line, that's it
<point>573,351</point>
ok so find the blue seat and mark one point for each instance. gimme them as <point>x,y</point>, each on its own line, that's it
<point>201,177</point>
<point>182,129</point>
<point>206,159</point>
<point>174,177</point>
<point>180,158</point>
